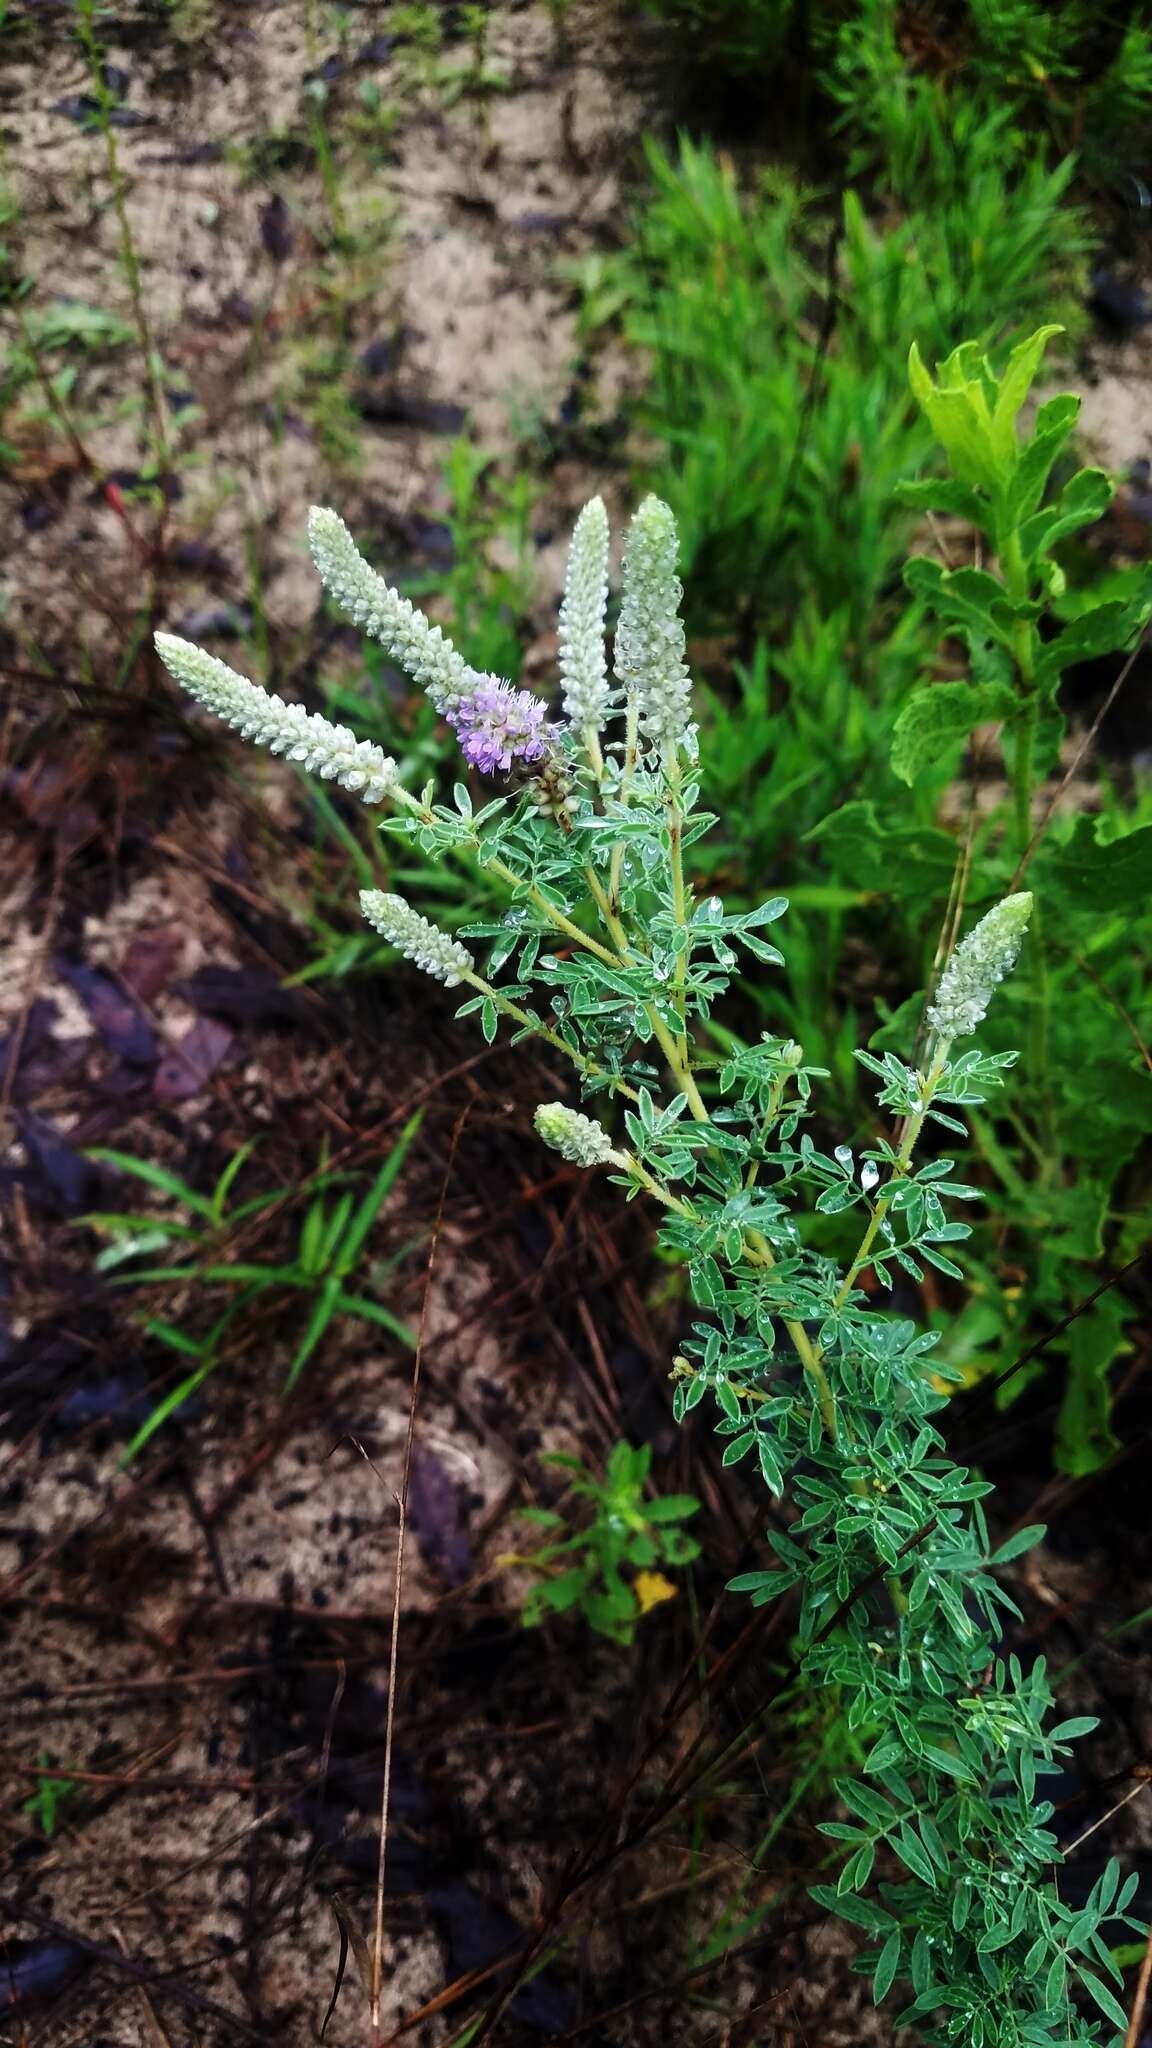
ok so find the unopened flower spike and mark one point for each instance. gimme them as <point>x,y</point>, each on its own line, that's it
<point>416,937</point>
<point>328,750</point>
<point>579,1139</point>
<point>421,649</point>
<point>583,668</point>
<point>978,964</point>
<point>650,635</point>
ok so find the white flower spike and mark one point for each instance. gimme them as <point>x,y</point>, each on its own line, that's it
<point>422,650</point>
<point>327,750</point>
<point>978,964</point>
<point>420,941</point>
<point>650,636</point>
<point>583,668</point>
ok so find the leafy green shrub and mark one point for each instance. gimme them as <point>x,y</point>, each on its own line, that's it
<point>903,76</point>
<point>606,953</point>
<point>897,78</point>
<point>777,396</point>
<point>813,450</point>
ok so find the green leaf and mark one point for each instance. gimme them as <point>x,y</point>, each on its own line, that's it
<point>125,1248</point>
<point>1015,384</point>
<point>156,1177</point>
<point>729,1400</point>
<point>969,600</point>
<point>167,1407</point>
<point>1017,1544</point>
<point>957,410</point>
<point>763,1586</point>
<point>374,1200</point>
<point>1089,874</point>
<point>563,1592</point>
<point>938,715</point>
<point>886,1967</point>
<point>770,1470</point>
<point>892,860</point>
<point>1073,1729</point>
<point>224,1185</point>
<point>323,1310</point>
<point>672,1507</point>
<point>911,1851</point>
<point>1054,423</point>
<point>1083,1432</point>
<point>1083,500</point>
<point>945,494</point>
<point>1107,630</point>
<point>1109,2006</point>
<point>375,1312</point>
<point>866,1803</point>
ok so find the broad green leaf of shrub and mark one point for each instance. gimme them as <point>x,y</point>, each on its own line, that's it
<point>939,715</point>
<point>1100,876</point>
<point>973,413</point>
<point>1107,630</point>
<point>958,411</point>
<point>967,600</point>
<point>943,494</point>
<point>1083,500</point>
<point>1015,384</point>
<point>892,860</point>
<point>1053,424</point>
<point>1084,1436</point>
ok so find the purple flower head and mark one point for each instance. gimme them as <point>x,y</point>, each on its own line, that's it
<point>497,725</point>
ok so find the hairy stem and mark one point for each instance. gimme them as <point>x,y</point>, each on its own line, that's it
<point>508,1008</point>
<point>915,1124</point>
<point>679,900</point>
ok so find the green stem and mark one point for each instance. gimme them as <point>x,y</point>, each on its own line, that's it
<point>591,740</point>
<point>679,900</point>
<point>631,753</point>
<point>930,1083</point>
<point>1025,647</point>
<point>675,1049</point>
<point>538,1029</point>
<point>629,1163</point>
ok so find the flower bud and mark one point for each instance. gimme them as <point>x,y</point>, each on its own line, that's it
<point>416,937</point>
<point>979,962</point>
<point>579,1139</point>
<point>650,636</point>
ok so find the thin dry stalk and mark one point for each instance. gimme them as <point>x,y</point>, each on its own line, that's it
<point>402,1508</point>
<point>1135,2024</point>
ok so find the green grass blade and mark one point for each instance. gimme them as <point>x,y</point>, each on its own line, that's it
<point>156,1177</point>
<point>374,1312</point>
<point>224,1185</point>
<point>166,1408</point>
<point>327,1303</point>
<point>370,1207</point>
<point>332,1235</point>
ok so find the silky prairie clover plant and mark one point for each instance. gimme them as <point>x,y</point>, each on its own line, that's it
<point>949,1854</point>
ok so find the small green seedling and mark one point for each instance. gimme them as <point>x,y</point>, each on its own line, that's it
<point>332,1237</point>
<point>47,1799</point>
<point>608,1568</point>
